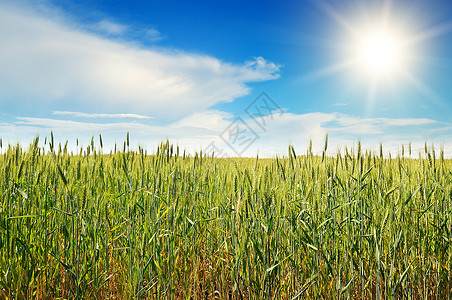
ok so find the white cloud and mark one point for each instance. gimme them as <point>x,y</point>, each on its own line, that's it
<point>88,115</point>
<point>51,62</point>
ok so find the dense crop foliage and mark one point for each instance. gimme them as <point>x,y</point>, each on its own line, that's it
<point>128,224</point>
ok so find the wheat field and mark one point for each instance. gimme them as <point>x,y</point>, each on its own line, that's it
<point>164,225</point>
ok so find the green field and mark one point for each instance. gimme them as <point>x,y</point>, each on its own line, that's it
<point>164,225</point>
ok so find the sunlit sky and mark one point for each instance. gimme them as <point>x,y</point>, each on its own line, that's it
<point>237,77</point>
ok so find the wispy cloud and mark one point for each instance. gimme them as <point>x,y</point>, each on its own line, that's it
<point>89,115</point>
<point>210,119</point>
<point>57,63</point>
<point>407,122</point>
<point>379,123</point>
<point>110,27</point>
<point>341,104</point>
<point>200,129</point>
<point>153,34</point>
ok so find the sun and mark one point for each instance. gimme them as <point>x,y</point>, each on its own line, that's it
<point>379,53</point>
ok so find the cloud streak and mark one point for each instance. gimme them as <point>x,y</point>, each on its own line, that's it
<point>89,115</point>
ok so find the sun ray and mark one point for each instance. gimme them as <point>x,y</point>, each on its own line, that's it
<point>337,17</point>
<point>371,96</point>
<point>387,8</point>
<point>430,33</point>
<point>330,70</point>
<point>418,85</point>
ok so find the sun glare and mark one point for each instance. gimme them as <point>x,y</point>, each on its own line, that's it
<point>379,53</point>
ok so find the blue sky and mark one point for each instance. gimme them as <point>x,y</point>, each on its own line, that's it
<point>194,72</point>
